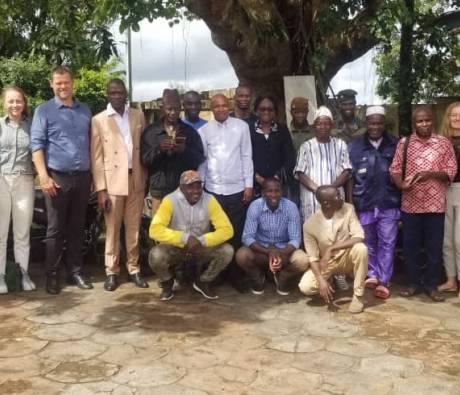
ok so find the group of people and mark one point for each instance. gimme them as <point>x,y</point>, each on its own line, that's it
<point>239,196</point>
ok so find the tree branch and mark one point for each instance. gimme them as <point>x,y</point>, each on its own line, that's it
<point>354,41</point>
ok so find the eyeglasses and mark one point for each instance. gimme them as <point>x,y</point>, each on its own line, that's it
<point>455,116</point>
<point>266,109</point>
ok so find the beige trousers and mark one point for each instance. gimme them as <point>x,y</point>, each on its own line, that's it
<point>253,263</point>
<point>17,196</point>
<point>353,261</point>
<point>451,245</point>
<point>126,210</point>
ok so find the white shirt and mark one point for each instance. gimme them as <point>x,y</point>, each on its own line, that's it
<point>123,126</point>
<point>376,143</point>
<point>228,166</point>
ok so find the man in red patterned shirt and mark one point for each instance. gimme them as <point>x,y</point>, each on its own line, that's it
<point>430,165</point>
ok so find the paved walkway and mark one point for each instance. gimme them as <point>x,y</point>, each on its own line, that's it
<point>128,342</point>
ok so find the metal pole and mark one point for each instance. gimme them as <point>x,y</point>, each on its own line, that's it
<point>130,68</point>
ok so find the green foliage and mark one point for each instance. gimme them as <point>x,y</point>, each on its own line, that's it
<point>32,74</point>
<point>77,33</point>
<point>62,32</point>
<point>132,12</point>
<point>90,87</point>
<point>436,50</point>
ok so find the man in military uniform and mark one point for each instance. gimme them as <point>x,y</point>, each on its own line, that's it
<point>348,126</point>
<point>300,129</point>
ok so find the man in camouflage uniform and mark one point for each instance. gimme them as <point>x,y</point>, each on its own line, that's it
<point>348,126</point>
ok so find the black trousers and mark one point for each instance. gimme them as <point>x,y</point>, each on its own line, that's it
<point>423,232</point>
<point>66,214</point>
<point>236,212</point>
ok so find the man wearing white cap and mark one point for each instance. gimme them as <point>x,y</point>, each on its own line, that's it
<point>322,160</point>
<point>376,198</point>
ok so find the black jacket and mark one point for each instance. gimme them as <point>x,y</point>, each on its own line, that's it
<point>274,156</point>
<point>165,168</point>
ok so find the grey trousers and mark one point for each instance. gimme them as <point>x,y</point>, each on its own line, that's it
<point>164,258</point>
<point>451,245</point>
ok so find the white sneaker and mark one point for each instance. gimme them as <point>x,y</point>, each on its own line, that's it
<point>27,283</point>
<point>341,282</point>
<point>3,287</point>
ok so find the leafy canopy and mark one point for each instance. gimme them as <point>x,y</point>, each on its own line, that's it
<point>436,50</point>
<point>61,32</point>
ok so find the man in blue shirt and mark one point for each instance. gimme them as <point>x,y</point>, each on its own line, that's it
<point>60,151</point>
<point>271,239</point>
<point>192,108</point>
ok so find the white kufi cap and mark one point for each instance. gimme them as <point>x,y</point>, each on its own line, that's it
<point>323,112</point>
<point>375,110</point>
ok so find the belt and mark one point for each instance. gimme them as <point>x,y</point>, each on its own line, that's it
<point>70,173</point>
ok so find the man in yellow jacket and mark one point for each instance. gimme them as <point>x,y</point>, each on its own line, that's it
<point>182,227</point>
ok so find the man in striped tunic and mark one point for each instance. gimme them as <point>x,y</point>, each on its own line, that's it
<point>322,160</point>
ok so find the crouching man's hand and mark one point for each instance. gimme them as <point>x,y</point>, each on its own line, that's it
<point>193,246</point>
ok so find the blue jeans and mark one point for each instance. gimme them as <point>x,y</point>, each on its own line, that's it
<point>423,232</point>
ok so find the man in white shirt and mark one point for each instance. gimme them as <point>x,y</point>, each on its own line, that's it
<point>119,179</point>
<point>228,169</point>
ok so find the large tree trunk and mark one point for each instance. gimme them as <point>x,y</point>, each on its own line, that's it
<point>266,40</point>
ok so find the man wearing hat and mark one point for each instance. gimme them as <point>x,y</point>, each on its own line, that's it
<point>300,129</point>
<point>169,147</point>
<point>376,197</point>
<point>182,227</point>
<point>348,126</point>
<point>322,160</point>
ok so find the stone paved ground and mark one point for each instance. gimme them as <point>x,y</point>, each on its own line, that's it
<point>128,342</point>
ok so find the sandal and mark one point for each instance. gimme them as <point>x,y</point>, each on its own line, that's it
<point>408,292</point>
<point>371,283</point>
<point>435,296</point>
<point>382,292</point>
<point>444,288</point>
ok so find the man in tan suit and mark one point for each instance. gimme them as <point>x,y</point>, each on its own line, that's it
<point>119,179</point>
<point>334,243</point>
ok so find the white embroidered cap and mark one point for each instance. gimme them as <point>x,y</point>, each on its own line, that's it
<point>375,110</point>
<point>323,111</point>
